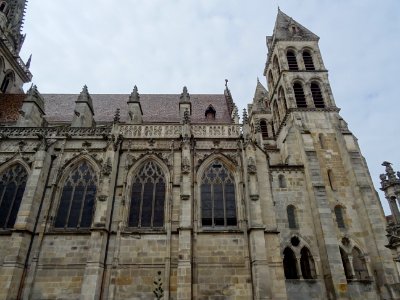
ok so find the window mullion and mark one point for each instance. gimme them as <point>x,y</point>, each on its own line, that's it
<point>69,207</point>
<point>2,194</point>
<point>141,205</point>
<point>212,205</point>
<point>11,205</point>
<point>82,205</point>
<point>153,201</point>
<point>224,203</point>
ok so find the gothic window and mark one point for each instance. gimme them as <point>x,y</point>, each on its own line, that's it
<point>270,80</point>
<point>210,113</point>
<point>290,264</point>
<point>7,82</point>
<point>321,140</point>
<point>346,264</point>
<point>148,197</point>
<point>3,7</point>
<point>264,129</point>
<point>339,216</point>
<point>12,187</point>
<point>282,181</point>
<point>292,61</point>
<point>218,204</point>
<point>276,113</point>
<point>299,95</point>
<point>291,215</point>
<point>276,65</point>
<point>273,129</point>
<point>359,264</point>
<point>308,60</point>
<point>76,206</point>
<point>317,96</point>
<point>331,179</point>
<point>307,264</point>
<point>282,98</point>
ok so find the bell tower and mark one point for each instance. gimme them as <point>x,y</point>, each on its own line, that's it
<point>313,146</point>
<point>14,72</point>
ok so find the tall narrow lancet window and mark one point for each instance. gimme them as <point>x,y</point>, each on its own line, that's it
<point>317,96</point>
<point>308,60</point>
<point>271,80</point>
<point>276,65</point>
<point>218,203</point>
<point>7,83</point>
<point>290,264</point>
<point>292,61</point>
<point>346,264</point>
<point>282,98</point>
<point>291,215</point>
<point>12,187</point>
<point>276,113</point>
<point>299,95</point>
<point>264,129</point>
<point>339,216</point>
<point>148,197</point>
<point>76,206</point>
<point>307,264</point>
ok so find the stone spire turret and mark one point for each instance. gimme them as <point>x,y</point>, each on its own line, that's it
<point>135,112</point>
<point>83,113</point>
<point>184,104</point>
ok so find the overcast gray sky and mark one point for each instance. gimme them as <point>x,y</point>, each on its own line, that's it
<point>162,45</point>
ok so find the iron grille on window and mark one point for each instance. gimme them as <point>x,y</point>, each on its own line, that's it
<point>218,205</point>
<point>299,95</point>
<point>308,61</point>
<point>292,61</point>
<point>12,187</point>
<point>77,199</point>
<point>317,96</point>
<point>148,197</point>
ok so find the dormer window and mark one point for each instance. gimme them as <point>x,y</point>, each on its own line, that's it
<point>210,113</point>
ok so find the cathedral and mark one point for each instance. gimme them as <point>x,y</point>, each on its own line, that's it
<point>171,196</point>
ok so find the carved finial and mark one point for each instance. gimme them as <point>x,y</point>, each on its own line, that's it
<point>85,90</point>
<point>389,171</point>
<point>134,97</point>
<point>117,116</point>
<point>28,63</point>
<point>245,117</point>
<point>226,83</point>
<point>185,97</point>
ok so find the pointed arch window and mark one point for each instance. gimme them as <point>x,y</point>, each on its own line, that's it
<point>76,206</point>
<point>292,61</point>
<point>148,197</point>
<point>270,80</point>
<point>276,113</point>
<point>346,264</point>
<point>218,203</point>
<point>317,95</point>
<point>290,264</point>
<point>291,215</point>
<point>339,216</point>
<point>359,264</point>
<point>12,187</point>
<point>307,264</point>
<point>210,113</point>
<point>7,82</point>
<point>264,129</point>
<point>282,98</point>
<point>299,95</point>
<point>276,65</point>
<point>308,60</point>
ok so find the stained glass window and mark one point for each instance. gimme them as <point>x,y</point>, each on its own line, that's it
<point>77,199</point>
<point>147,197</point>
<point>12,187</point>
<point>218,204</point>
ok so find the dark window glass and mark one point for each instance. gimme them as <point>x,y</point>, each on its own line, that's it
<point>218,204</point>
<point>339,216</point>
<point>292,61</point>
<point>6,83</point>
<point>307,264</point>
<point>299,95</point>
<point>346,264</point>
<point>282,181</point>
<point>290,264</point>
<point>77,199</point>
<point>291,214</point>
<point>308,61</point>
<point>147,197</point>
<point>264,129</point>
<point>12,187</point>
<point>317,96</point>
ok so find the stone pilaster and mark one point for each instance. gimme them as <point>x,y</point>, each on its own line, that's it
<point>13,268</point>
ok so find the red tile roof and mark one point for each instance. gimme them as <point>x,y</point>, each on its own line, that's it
<point>157,108</point>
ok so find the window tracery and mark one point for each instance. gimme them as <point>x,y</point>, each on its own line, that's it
<point>76,206</point>
<point>218,203</point>
<point>12,187</point>
<point>148,197</point>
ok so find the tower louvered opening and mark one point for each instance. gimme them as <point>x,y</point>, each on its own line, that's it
<point>292,61</point>
<point>317,96</point>
<point>264,129</point>
<point>299,95</point>
<point>308,61</point>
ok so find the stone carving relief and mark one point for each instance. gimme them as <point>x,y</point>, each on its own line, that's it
<point>185,166</point>
<point>251,166</point>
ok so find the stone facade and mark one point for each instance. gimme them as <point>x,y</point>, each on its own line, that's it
<point>281,206</point>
